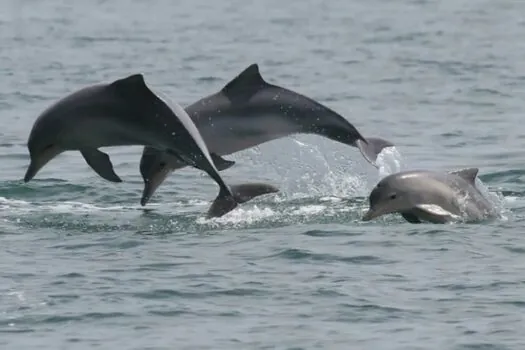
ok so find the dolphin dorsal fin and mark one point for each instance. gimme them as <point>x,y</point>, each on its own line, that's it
<point>130,85</point>
<point>246,84</point>
<point>469,174</point>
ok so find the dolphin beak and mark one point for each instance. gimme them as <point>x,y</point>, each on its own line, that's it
<point>369,215</point>
<point>151,182</point>
<point>375,212</point>
<point>384,209</point>
<point>31,171</point>
<point>39,161</point>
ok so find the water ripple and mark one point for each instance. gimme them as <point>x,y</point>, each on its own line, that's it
<point>299,254</point>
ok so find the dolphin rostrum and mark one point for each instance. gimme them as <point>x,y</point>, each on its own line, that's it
<point>247,112</point>
<point>431,196</point>
<point>127,112</point>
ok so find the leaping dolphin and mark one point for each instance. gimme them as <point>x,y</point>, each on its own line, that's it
<point>127,112</point>
<point>247,112</point>
<point>431,196</point>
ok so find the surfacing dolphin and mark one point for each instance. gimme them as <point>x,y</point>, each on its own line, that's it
<point>431,196</point>
<point>247,112</point>
<point>127,112</point>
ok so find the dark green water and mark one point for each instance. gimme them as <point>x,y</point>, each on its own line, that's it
<point>84,266</point>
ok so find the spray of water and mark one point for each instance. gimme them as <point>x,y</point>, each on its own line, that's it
<point>389,162</point>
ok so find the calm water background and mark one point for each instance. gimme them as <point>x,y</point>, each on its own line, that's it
<point>83,266</point>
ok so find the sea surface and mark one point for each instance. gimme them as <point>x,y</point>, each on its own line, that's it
<point>84,266</point>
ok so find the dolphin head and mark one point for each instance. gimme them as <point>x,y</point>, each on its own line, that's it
<point>154,170</point>
<point>58,126</point>
<point>393,194</point>
<point>44,141</point>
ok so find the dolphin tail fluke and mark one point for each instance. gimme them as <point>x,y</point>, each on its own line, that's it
<point>221,163</point>
<point>225,203</point>
<point>372,147</point>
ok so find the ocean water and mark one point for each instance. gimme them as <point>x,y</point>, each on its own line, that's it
<point>84,266</point>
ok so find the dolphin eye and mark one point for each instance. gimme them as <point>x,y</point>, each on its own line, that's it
<point>393,196</point>
<point>48,147</point>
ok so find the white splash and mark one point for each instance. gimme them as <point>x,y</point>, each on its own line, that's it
<point>239,216</point>
<point>330,199</point>
<point>309,210</point>
<point>389,161</point>
<point>65,207</point>
<point>319,177</point>
<point>302,144</point>
<point>497,199</point>
<point>259,213</point>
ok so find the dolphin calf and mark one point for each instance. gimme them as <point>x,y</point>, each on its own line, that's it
<point>127,112</point>
<point>431,196</point>
<point>247,112</point>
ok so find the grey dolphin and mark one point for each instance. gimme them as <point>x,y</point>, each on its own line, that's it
<point>431,196</point>
<point>247,112</point>
<point>127,112</point>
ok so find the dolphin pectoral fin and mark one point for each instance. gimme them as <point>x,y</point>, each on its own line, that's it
<point>410,217</point>
<point>221,163</point>
<point>100,162</point>
<point>468,174</point>
<point>434,213</point>
<point>372,147</point>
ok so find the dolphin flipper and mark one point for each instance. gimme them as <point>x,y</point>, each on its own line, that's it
<point>433,213</point>
<point>100,162</point>
<point>410,217</point>
<point>372,147</point>
<point>221,163</point>
<point>241,194</point>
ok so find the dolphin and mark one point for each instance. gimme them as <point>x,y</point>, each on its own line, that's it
<point>247,112</point>
<point>127,112</point>
<point>431,196</point>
